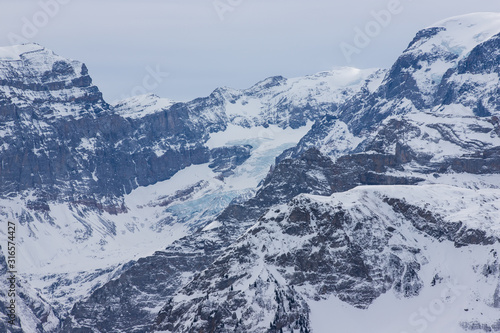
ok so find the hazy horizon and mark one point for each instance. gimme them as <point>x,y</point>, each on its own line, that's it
<point>206,44</point>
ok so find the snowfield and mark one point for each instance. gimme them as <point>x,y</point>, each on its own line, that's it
<point>218,225</point>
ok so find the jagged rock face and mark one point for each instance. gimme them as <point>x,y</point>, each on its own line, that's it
<point>71,145</point>
<point>402,79</point>
<point>312,173</point>
<point>132,301</point>
<point>310,232</point>
<point>317,174</point>
<point>436,227</point>
<point>225,159</point>
<point>36,83</point>
<point>412,145</point>
<point>351,253</point>
<point>353,245</point>
<point>60,144</point>
<point>279,308</point>
<point>137,296</point>
<point>329,135</point>
<point>483,59</point>
<point>476,75</point>
<point>89,157</point>
<point>419,78</point>
<point>333,258</point>
<point>67,142</point>
<point>400,145</point>
<point>289,102</point>
<point>182,260</point>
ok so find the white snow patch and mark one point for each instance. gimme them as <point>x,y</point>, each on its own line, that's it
<point>142,105</point>
<point>16,51</point>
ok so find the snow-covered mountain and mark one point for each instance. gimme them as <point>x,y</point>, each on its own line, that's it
<point>101,186</point>
<point>352,247</point>
<point>296,205</point>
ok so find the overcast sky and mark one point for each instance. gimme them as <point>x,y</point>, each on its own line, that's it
<point>204,44</point>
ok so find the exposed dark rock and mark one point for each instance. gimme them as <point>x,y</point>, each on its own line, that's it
<point>226,159</point>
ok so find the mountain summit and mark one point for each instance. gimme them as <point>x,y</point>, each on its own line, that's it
<point>346,201</point>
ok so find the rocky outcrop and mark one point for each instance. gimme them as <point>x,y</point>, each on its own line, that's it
<point>347,213</point>
<point>476,75</point>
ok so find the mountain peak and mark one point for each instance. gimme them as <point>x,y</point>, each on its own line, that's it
<point>142,105</point>
<point>270,82</point>
<point>35,79</point>
<point>457,35</point>
<point>14,52</point>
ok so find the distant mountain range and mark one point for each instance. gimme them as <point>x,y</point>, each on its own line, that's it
<point>346,201</point>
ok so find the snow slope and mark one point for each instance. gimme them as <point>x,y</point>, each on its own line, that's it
<point>452,40</point>
<point>419,281</point>
<point>13,53</point>
<point>377,258</point>
<point>389,250</point>
<point>140,106</point>
<point>462,294</point>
